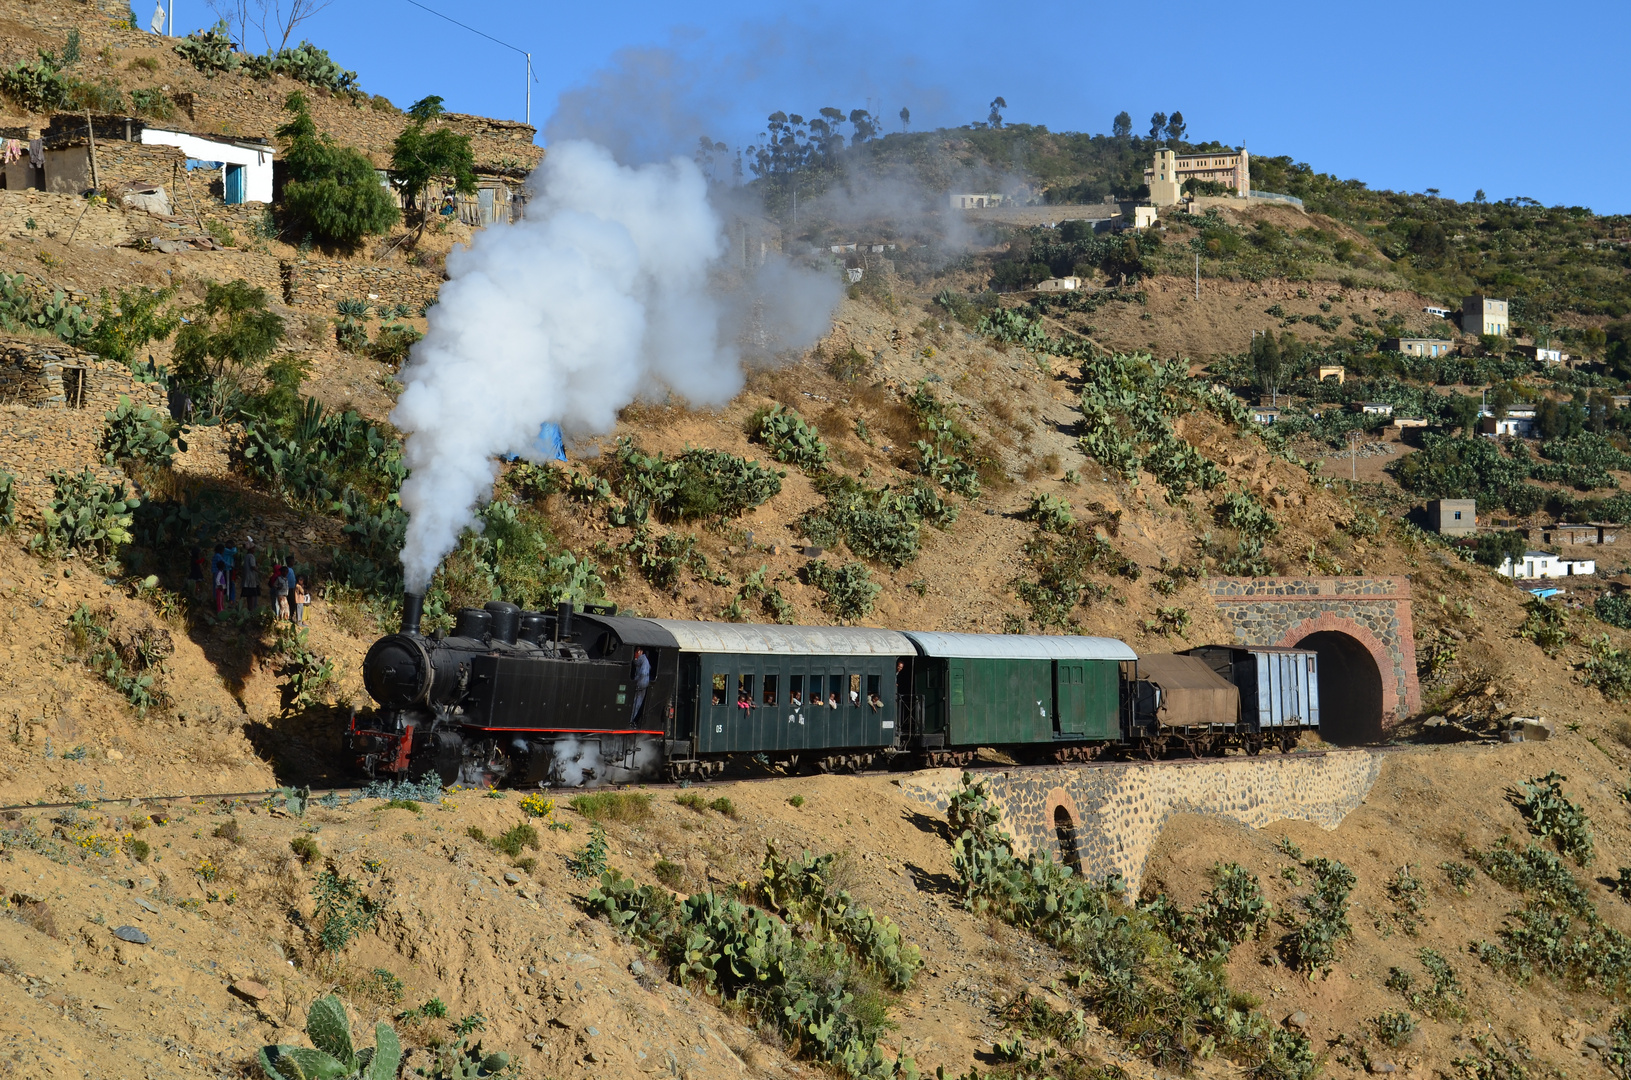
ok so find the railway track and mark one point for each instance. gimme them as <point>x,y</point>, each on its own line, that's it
<point>318,793</point>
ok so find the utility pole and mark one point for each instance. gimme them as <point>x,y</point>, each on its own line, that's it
<point>1197,277</point>
<point>1353,455</point>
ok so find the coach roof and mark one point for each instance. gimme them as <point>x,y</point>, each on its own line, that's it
<point>750,638</point>
<point>1019,646</point>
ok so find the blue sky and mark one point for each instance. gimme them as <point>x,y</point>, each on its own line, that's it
<point>1516,99</point>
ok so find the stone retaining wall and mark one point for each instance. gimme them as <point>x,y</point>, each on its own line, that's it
<point>54,215</point>
<point>42,430</point>
<point>319,283</point>
<point>1118,811</point>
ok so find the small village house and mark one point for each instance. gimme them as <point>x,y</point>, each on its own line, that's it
<point>1453,517</point>
<point>1543,564</point>
<point>1418,346</point>
<point>1059,284</point>
<point>1376,408</point>
<point>1483,315</point>
<point>1265,414</point>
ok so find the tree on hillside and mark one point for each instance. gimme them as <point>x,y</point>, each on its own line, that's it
<point>439,156</point>
<point>1463,409</point>
<point>865,127</point>
<point>1158,121</point>
<point>1176,128</point>
<point>1122,125</point>
<point>997,105</point>
<point>1266,361</point>
<point>333,191</point>
<point>273,18</point>
<point>230,331</point>
<point>905,118</point>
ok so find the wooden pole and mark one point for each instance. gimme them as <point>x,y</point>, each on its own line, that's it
<point>90,133</point>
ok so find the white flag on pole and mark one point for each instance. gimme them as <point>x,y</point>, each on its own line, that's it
<point>157,25</point>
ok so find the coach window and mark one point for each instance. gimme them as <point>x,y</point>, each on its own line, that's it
<point>855,691</point>
<point>874,697</point>
<point>771,688</point>
<point>795,689</point>
<point>744,692</point>
<point>720,685</point>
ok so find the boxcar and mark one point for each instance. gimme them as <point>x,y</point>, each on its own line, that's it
<point>1279,688</point>
<point>1180,702</point>
<point>1014,690</point>
<point>826,694</point>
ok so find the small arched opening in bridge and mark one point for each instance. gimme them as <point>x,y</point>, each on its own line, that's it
<point>1064,827</point>
<point>1351,697</point>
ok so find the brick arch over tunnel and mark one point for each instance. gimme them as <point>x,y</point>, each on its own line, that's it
<point>1354,623</point>
<point>1354,697</point>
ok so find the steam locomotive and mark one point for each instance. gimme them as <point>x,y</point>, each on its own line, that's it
<point>582,695</point>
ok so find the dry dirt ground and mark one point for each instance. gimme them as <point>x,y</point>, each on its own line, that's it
<point>460,922</point>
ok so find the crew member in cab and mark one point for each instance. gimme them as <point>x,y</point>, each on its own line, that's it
<point>642,680</point>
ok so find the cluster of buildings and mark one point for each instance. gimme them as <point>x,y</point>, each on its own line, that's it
<point>1459,517</point>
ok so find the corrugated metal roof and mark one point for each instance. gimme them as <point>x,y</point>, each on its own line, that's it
<point>711,637</point>
<point>1020,646</point>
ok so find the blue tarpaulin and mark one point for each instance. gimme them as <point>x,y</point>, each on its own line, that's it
<point>550,444</point>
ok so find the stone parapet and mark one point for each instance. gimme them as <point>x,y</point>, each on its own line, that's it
<point>1114,813</point>
<point>319,283</point>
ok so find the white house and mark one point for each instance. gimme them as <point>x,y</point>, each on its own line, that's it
<point>1543,564</point>
<point>1376,408</point>
<point>1059,284</point>
<point>246,167</point>
<point>1265,414</point>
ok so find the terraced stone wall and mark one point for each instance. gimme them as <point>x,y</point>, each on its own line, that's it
<point>1116,811</point>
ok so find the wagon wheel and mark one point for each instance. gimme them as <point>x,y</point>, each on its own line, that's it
<point>1288,740</point>
<point>1155,747</point>
<point>1252,743</point>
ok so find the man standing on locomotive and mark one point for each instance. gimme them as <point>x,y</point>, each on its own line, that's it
<point>642,680</point>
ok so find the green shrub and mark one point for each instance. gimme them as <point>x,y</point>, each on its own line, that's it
<point>230,331</point>
<point>590,861</point>
<point>303,672</point>
<point>1551,815</point>
<point>1166,1004</point>
<point>133,673</point>
<point>129,321</point>
<point>137,433</point>
<point>393,342</point>
<point>329,1030</point>
<point>880,524</point>
<point>1232,911</point>
<point>1409,898</point>
<point>85,515</point>
<point>697,485</point>
<point>1460,875</point>
<point>1537,873</point>
<point>810,989</point>
<point>351,336</point>
<point>1395,1028</point>
<point>691,801</point>
<point>305,849</point>
<point>343,910</point>
<point>1608,669</point>
<point>789,439</point>
<point>1614,609</point>
<point>613,805</point>
<point>849,589</point>
<point>403,804</point>
<point>1545,624</point>
<point>795,801</point>
<point>304,63</point>
<point>1311,944</point>
<point>1444,999</point>
<point>209,50</point>
<point>755,590</point>
<point>724,806</point>
<point>1063,566</point>
<point>1447,467</point>
<point>8,500</point>
<point>515,840</point>
<point>669,873</point>
<point>154,104</point>
<point>333,192</point>
<point>37,86</point>
<point>1050,512</point>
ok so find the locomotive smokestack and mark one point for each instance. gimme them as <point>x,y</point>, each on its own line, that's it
<point>563,620</point>
<point>413,607</point>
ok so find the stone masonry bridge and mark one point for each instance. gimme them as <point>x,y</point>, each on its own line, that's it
<point>1103,820</point>
<point>1360,626</point>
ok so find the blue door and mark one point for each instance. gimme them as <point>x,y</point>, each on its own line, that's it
<point>234,184</point>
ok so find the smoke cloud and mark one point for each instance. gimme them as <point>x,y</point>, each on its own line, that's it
<point>612,288</point>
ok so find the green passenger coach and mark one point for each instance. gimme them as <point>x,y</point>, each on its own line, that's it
<point>786,691</point>
<point>971,690</point>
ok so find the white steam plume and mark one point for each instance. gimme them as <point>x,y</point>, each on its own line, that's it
<point>606,291</point>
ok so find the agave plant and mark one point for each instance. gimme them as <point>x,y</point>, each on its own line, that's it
<point>331,1055</point>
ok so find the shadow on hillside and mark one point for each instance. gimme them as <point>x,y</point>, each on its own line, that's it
<point>929,824</point>
<point>305,748</point>
<point>928,881</point>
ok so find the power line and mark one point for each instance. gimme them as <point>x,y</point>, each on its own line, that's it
<point>530,77</point>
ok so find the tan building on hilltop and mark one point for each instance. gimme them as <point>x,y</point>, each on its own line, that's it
<point>1482,315</point>
<point>1165,177</point>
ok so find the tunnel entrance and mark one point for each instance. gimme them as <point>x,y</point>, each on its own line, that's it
<point>1350,689</point>
<point>1065,829</point>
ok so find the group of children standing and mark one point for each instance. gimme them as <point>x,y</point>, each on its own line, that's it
<point>228,571</point>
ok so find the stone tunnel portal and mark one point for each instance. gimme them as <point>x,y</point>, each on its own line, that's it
<point>1350,689</point>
